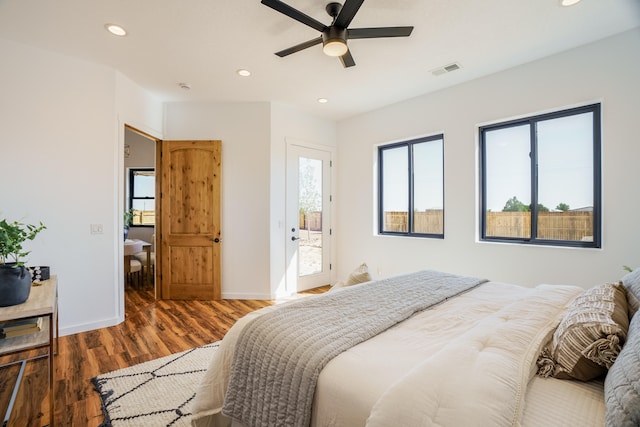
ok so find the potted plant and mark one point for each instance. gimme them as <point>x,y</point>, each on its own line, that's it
<point>15,279</point>
<point>128,220</point>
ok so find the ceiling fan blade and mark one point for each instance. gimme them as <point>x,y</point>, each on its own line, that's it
<point>347,60</point>
<point>295,14</point>
<point>373,33</point>
<point>348,11</point>
<point>299,47</point>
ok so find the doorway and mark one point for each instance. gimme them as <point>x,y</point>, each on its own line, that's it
<point>139,195</point>
<point>308,217</point>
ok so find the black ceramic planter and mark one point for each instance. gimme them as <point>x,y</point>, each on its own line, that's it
<point>15,284</point>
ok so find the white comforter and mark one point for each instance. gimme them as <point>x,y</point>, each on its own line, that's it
<point>465,362</point>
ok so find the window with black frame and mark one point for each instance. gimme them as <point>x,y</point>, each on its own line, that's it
<point>142,196</point>
<point>411,188</point>
<point>540,179</point>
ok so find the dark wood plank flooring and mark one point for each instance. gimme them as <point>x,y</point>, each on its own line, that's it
<point>151,329</point>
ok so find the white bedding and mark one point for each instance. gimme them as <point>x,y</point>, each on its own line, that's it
<point>370,375</point>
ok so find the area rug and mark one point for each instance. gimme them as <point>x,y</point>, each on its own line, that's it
<point>155,393</point>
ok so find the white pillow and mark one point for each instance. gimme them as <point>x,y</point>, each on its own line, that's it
<point>359,275</point>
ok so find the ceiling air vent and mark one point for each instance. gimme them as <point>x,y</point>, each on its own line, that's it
<point>446,69</point>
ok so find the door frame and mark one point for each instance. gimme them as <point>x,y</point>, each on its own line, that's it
<point>291,274</point>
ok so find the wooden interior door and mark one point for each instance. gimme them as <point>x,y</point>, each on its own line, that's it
<point>190,220</point>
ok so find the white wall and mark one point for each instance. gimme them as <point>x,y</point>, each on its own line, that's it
<point>244,131</point>
<point>607,70</point>
<point>60,148</point>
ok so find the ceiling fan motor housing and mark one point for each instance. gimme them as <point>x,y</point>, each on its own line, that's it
<point>334,41</point>
<point>334,34</point>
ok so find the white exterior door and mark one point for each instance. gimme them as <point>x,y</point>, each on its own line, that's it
<point>308,218</point>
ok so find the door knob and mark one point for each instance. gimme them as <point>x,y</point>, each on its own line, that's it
<point>294,238</point>
<point>216,240</point>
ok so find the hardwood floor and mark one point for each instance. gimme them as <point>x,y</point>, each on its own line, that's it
<point>151,329</point>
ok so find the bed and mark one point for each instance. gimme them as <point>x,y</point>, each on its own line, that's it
<point>479,353</point>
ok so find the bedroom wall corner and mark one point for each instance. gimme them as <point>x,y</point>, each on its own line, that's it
<point>603,71</point>
<point>60,119</point>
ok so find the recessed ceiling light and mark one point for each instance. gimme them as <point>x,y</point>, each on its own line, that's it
<point>569,2</point>
<point>116,30</point>
<point>323,100</point>
<point>244,73</point>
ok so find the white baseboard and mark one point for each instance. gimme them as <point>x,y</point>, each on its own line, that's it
<point>84,327</point>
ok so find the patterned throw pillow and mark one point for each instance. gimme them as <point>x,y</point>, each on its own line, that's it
<point>589,336</point>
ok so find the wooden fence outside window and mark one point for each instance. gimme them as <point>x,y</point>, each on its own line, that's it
<point>569,225</point>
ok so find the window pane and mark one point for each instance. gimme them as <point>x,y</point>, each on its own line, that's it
<point>143,211</point>
<point>395,189</point>
<point>508,182</point>
<point>565,178</point>
<point>142,196</point>
<point>310,204</point>
<point>428,187</point>
<point>144,184</point>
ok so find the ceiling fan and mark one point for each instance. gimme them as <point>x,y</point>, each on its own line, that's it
<point>334,37</point>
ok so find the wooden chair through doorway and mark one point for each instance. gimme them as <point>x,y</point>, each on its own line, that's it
<point>132,267</point>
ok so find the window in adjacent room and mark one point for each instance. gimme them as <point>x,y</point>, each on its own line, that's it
<point>540,179</point>
<point>411,188</point>
<point>142,193</point>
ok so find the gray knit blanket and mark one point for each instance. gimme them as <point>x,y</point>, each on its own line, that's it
<point>280,354</point>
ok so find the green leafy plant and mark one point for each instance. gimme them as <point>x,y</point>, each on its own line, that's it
<point>12,236</point>
<point>627,268</point>
<point>128,218</point>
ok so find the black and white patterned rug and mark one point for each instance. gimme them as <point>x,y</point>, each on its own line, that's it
<point>155,393</point>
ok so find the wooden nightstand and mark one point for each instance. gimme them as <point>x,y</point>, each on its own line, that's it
<point>42,302</point>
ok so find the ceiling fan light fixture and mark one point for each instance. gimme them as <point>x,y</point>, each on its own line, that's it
<point>334,41</point>
<point>335,47</point>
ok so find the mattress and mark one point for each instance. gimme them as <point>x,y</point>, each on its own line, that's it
<point>561,402</point>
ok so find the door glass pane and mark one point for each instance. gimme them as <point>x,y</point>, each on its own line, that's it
<point>310,205</point>
<point>508,182</point>
<point>395,189</point>
<point>565,178</point>
<point>428,187</point>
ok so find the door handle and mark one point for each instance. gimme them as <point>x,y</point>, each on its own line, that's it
<point>294,238</point>
<point>216,240</point>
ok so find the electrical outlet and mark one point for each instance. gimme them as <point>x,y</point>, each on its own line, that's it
<point>97,229</point>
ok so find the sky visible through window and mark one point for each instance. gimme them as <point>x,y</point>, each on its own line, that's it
<point>565,167</point>
<point>144,186</point>
<point>565,163</point>
<point>428,176</point>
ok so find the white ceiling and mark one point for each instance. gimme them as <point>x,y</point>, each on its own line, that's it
<point>204,42</point>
